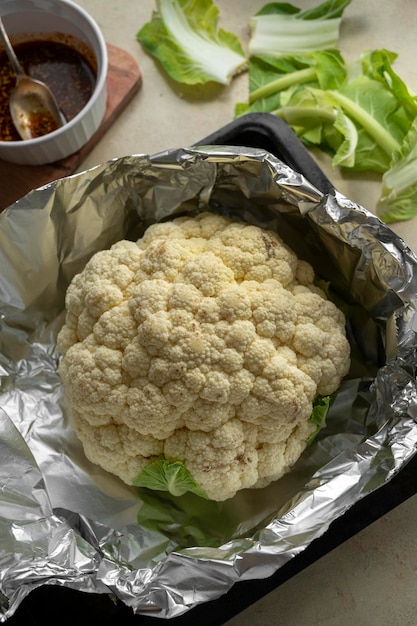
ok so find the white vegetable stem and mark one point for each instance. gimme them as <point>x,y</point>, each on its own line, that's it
<point>279,35</point>
<point>379,134</point>
<point>214,58</point>
<point>283,82</point>
<point>401,176</point>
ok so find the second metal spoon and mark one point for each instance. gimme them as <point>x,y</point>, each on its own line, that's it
<point>33,108</point>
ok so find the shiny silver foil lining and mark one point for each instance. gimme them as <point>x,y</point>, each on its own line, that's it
<point>63,520</point>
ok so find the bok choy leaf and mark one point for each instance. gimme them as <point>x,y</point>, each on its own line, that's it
<point>362,115</point>
<point>183,36</point>
<point>398,199</point>
<point>270,77</point>
<point>362,119</point>
<point>281,29</point>
<point>377,64</point>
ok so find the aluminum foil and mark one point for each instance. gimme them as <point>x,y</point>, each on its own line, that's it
<point>65,521</point>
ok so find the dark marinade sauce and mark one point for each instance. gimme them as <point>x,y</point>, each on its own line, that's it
<point>68,73</point>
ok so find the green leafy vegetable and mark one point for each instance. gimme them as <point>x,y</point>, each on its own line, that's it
<point>318,417</point>
<point>363,116</point>
<point>325,69</point>
<point>398,199</point>
<point>272,80</point>
<point>377,64</point>
<point>362,124</point>
<point>329,10</point>
<point>283,29</point>
<point>188,520</point>
<point>312,114</point>
<point>375,112</point>
<point>172,476</point>
<point>183,36</point>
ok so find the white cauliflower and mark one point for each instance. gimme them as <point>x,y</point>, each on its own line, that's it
<point>204,343</point>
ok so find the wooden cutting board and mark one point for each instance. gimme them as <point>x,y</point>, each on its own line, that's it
<point>124,80</point>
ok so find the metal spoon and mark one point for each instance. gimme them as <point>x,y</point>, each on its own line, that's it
<point>32,106</point>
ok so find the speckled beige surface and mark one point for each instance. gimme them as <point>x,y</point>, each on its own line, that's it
<point>372,578</point>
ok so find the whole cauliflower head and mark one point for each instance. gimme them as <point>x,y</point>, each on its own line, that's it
<point>205,342</point>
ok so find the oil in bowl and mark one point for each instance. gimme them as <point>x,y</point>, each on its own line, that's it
<point>64,63</point>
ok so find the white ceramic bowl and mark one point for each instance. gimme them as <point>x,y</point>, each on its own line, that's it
<point>47,16</point>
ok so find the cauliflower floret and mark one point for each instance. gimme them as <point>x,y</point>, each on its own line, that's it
<point>205,342</point>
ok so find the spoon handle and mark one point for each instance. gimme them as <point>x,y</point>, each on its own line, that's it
<point>18,69</point>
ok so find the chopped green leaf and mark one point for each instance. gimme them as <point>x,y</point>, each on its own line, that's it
<point>283,82</point>
<point>368,119</point>
<point>272,80</point>
<point>377,64</point>
<point>172,476</point>
<point>283,29</point>
<point>363,116</point>
<point>345,155</point>
<point>184,37</point>
<point>318,417</point>
<point>315,117</point>
<point>326,10</point>
<point>398,199</point>
<point>279,8</point>
<point>325,69</point>
<point>374,110</point>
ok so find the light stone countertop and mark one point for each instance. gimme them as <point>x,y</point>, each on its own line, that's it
<point>372,578</point>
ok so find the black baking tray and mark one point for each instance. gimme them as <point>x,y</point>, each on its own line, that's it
<point>57,605</point>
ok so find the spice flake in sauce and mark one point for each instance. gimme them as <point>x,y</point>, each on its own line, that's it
<point>63,63</point>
